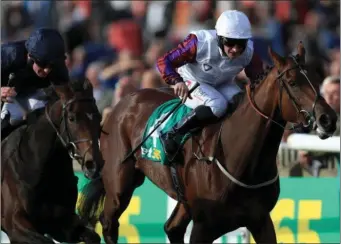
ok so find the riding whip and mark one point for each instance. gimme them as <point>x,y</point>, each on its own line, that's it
<point>196,85</point>
<point>14,100</point>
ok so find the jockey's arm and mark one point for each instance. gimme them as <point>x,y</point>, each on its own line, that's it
<point>254,68</point>
<point>184,53</point>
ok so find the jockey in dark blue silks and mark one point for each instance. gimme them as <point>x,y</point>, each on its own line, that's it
<point>27,67</point>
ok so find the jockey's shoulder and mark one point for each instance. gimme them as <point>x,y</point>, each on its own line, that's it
<point>204,34</point>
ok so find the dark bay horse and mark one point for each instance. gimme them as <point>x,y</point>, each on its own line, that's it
<point>229,176</point>
<point>38,185</point>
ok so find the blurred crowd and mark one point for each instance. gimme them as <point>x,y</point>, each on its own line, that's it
<point>115,44</point>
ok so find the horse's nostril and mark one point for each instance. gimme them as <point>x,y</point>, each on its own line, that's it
<point>324,120</point>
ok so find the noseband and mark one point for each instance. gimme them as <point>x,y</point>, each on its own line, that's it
<point>69,144</point>
<point>308,116</point>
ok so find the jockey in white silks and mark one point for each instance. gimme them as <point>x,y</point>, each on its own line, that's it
<point>213,58</point>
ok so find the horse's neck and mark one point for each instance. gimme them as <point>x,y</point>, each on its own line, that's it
<point>246,134</point>
<point>42,135</point>
<point>55,112</point>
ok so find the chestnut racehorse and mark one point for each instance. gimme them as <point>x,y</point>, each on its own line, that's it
<point>229,176</point>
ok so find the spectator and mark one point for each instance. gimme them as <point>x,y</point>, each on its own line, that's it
<point>151,79</point>
<point>123,87</point>
<point>330,90</point>
<point>102,96</point>
<point>314,162</point>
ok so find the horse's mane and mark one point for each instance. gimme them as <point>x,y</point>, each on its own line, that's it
<point>261,76</point>
<point>242,100</point>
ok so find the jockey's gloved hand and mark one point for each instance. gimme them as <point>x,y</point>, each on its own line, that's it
<point>7,93</point>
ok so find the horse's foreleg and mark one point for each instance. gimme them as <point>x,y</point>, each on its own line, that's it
<point>203,233</point>
<point>117,199</point>
<point>176,225</point>
<point>24,232</point>
<point>263,231</point>
<point>113,208</point>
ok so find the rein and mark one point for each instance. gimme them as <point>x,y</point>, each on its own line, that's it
<point>70,145</point>
<point>309,116</point>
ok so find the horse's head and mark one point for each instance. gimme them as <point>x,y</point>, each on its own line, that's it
<point>81,121</point>
<point>299,96</point>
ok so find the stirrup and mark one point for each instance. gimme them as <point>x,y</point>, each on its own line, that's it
<point>167,139</point>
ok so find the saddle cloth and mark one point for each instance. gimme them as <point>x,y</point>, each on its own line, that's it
<point>152,148</point>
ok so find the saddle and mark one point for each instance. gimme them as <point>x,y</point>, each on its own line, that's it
<point>152,149</point>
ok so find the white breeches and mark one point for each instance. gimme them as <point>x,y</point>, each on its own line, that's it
<point>216,98</point>
<point>21,104</point>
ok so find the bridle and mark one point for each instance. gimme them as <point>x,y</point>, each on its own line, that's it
<point>308,116</point>
<point>69,144</point>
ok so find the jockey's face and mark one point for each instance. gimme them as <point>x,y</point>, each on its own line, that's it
<point>234,47</point>
<point>40,68</point>
<point>233,52</point>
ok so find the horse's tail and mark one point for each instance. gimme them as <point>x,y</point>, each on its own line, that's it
<point>91,200</point>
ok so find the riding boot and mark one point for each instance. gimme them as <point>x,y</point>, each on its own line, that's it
<point>195,119</point>
<point>183,126</point>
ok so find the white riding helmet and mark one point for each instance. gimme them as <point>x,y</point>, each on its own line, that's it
<point>233,24</point>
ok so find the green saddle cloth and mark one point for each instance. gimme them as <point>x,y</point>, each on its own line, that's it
<point>152,148</point>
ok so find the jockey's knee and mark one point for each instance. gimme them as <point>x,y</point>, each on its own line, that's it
<point>16,115</point>
<point>219,108</point>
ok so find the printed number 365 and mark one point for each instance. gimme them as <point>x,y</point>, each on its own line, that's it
<point>307,210</point>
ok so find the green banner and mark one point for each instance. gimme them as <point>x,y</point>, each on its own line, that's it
<point>307,212</point>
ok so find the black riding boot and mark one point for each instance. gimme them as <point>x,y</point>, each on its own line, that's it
<point>195,119</point>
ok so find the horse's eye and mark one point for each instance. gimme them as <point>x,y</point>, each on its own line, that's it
<point>72,118</point>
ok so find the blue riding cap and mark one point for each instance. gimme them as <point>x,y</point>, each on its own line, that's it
<point>46,45</point>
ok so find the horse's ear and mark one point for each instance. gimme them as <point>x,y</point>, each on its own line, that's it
<point>64,92</point>
<point>301,51</point>
<point>278,60</point>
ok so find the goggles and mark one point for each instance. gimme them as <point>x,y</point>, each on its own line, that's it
<point>230,42</point>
